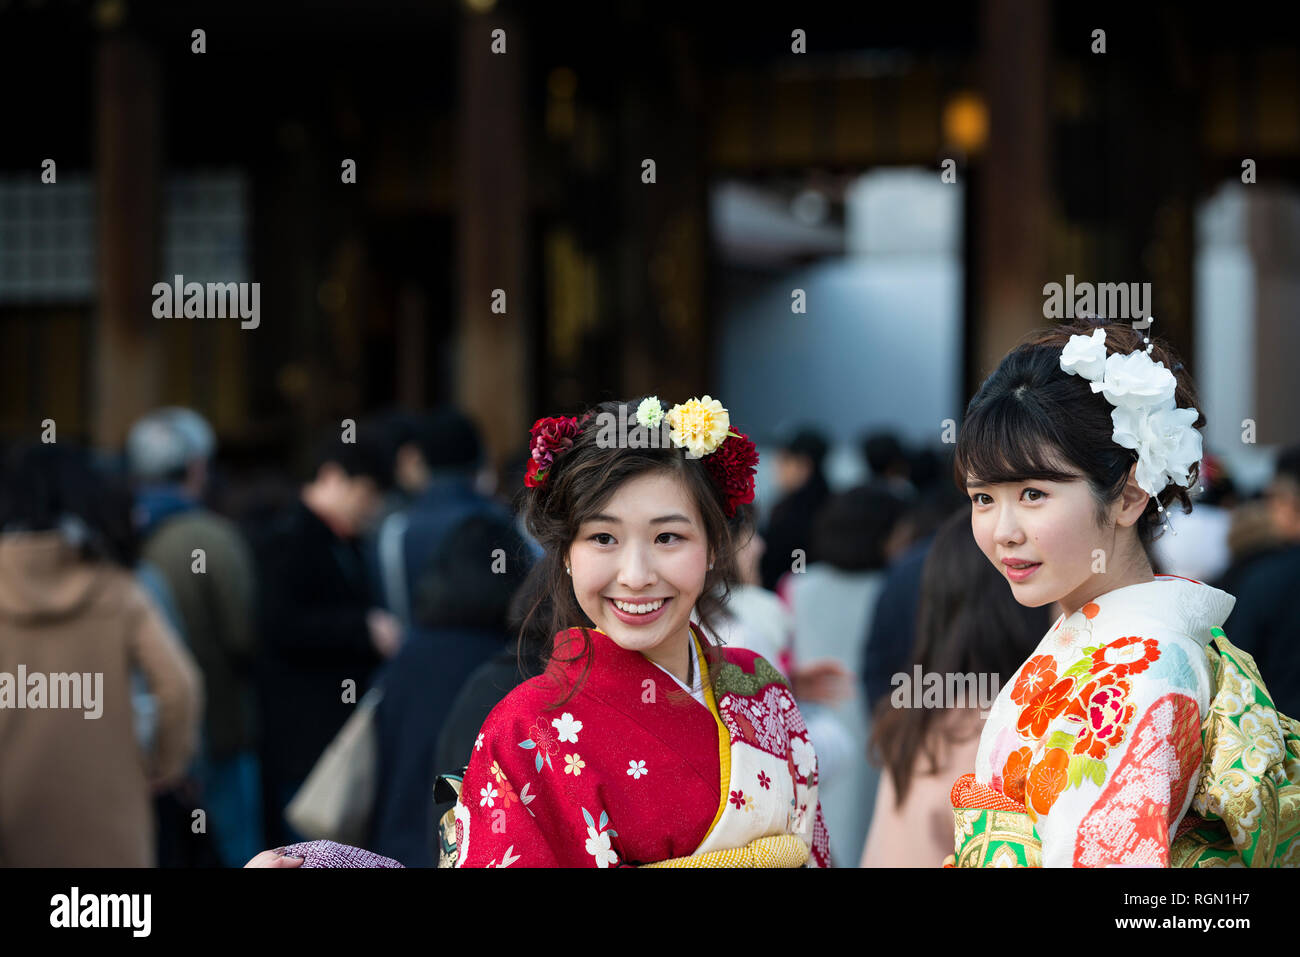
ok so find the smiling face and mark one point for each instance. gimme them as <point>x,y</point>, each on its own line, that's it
<point>647,544</point>
<point>1054,524</point>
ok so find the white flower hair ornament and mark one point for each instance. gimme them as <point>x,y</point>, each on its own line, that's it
<point>1146,416</point>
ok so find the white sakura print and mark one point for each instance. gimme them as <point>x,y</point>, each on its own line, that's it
<point>478,742</point>
<point>487,794</point>
<point>635,769</point>
<point>804,755</point>
<point>567,727</point>
<point>598,847</point>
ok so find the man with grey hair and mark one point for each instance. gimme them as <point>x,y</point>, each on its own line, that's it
<point>208,569</point>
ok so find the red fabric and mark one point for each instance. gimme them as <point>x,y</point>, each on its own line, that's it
<point>1130,822</point>
<point>969,793</point>
<point>632,715</point>
<point>627,714</point>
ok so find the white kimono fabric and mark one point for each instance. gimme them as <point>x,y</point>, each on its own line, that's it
<point>1098,733</point>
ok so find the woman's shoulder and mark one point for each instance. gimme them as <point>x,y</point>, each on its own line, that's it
<point>523,700</point>
<point>528,710</point>
<point>747,672</point>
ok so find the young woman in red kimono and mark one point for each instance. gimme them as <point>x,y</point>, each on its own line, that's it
<point>643,743</point>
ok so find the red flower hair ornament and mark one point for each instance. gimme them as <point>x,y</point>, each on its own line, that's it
<point>701,427</point>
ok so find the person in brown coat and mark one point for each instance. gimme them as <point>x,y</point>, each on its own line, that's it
<point>74,785</point>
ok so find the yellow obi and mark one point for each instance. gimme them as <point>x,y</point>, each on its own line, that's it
<point>777,850</point>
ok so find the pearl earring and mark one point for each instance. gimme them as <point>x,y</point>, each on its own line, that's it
<point>568,569</point>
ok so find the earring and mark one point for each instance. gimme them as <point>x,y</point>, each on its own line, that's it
<point>568,569</point>
<point>710,566</point>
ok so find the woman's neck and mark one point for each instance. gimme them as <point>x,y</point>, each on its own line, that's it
<point>676,660</point>
<point>1136,571</point>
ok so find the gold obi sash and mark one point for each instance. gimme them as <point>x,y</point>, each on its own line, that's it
<point>778,850</point>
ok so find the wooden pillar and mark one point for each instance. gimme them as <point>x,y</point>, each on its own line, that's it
<point>491,369</point>
<point>127,366</point>
<point>1011,237</point>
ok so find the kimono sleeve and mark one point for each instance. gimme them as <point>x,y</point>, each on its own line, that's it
<point>511,812</point>
<point>1122,755</point>
<point>821,843</point>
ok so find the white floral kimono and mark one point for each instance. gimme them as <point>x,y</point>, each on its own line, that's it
<point>1097,736</point>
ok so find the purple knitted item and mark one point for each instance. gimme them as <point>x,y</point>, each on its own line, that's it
<point>332,854</point>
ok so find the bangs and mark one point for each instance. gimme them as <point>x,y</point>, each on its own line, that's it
<point>1007,441</point>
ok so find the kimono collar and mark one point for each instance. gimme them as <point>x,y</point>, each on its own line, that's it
<point>613,668</point>
<point>1184,606</point>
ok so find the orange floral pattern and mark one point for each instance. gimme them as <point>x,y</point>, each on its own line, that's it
<point>1047,780</point>
<point>1125,656</point>
<point>1014,773</point>
<point>1093,696</point>
<point>1038,713</point>
<point>1038,673</point>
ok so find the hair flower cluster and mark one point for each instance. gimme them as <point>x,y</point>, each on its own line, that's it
<point>1085,355</point>
<point>550,437</point>
<point>1146,416</point>
<point>699,426</point>
<point>732,468</point>
<point>650,412</point>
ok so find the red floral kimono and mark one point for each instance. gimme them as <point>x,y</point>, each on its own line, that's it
<point>632,770</point>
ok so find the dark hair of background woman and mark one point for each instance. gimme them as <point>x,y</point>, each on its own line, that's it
<point>44,487</point>
<point>969,622</point>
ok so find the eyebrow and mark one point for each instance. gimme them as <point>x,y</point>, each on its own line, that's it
<point>1028,481</point>
<point>661,520</point>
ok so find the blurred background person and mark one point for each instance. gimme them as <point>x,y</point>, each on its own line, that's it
<point>891,628</point>
<point>802,489</point>
<point>318,622</point>
<point>521,657</point>
<point>758,620</point>
<point>461,622</point>
<point>396,431</point>
<point>889,465</point>
<point>969,624</point>
<point>1198,546</point>
<point>168,454</point>
<point>77,792</point>
<point>1266,619</point>
<point>442,463</point>
<point>832,603</point>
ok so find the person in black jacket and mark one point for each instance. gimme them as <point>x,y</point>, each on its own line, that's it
<point>1265,621</point>
<point>804,488</point>
<point>461,613</point>
<point>322,635</point>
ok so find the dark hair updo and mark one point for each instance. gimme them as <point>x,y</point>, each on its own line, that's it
<point>580,482</point>
<point>1031,420</point>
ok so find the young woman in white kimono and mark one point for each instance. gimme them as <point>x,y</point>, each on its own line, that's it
<point>1135,734</point>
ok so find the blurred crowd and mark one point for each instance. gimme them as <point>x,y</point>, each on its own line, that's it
<point>238,624</point>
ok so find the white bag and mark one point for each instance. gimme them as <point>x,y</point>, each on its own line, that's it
<point>337,800</point>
